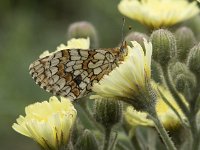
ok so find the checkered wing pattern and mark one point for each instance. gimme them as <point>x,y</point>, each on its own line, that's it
<point>72,72</point>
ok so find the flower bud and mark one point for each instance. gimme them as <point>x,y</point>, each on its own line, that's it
<point>107,112</point>
<point>164,46</point>
<point>87,141</point>
<point>194,24</point>
<point>183,78</point>
<point>193,60</point>
<point>83,29</point>
<point>136,36</point>
<point>185,41</point>
<point>76,132</point>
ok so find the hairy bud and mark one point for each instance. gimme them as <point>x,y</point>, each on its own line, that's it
<point>136,36</point>
<point>107,112</point>
<point>193,60</point>
<point>183,78</point>
<point>83,29</point>
<point>164,46</point>
<point>87,141</point>
<point>185,41</point>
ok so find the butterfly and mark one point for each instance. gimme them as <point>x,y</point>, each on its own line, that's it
<point>72,72</point>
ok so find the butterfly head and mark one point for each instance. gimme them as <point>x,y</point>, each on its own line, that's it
<point>123,50</point>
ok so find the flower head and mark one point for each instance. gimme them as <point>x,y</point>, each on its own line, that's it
<point>81,43</point>
<point>158,13</point>
<point>166,115</point>
<point>131,80</point>
<point>48,123</point>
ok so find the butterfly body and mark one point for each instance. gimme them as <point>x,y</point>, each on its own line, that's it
<point>72,72</point>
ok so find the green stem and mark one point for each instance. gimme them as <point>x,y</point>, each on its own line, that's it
<point>194,108</point>
<point>194,129</point>
<point>195,143</point>
<point>189,113</point>
<point>134,142</point>
<point>107,138</point>
<point>113,143</point>
<point>173,91</point>
<point>163,133</point>
<point>173,108</point>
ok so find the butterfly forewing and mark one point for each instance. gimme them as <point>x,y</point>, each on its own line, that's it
<point>72,72</point>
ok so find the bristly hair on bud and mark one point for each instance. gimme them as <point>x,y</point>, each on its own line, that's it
<point>83,29</point>
<point>77,130</point>
<point>185,41</point>
<point>107,112</point>
<point>164,46</point>
<point>193,60</point>
<point>87,141</point>
<point>183,78</point>
<point>136,36</point>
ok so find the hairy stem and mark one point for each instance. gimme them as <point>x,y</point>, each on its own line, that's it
<point>193,127</point>
<point>163,133</point>
<point>107,138</point>
<point>189,113</point>
<point>173,91</point>
<point>173,108</point>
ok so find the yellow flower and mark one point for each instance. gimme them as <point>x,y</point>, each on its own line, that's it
<point>166,115</point>
<point>158,13</point>
<point>129,81</point>
<point>48,123</point>
<point>81,43</point>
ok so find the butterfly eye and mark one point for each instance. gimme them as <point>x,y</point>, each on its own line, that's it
<point>123,47</point>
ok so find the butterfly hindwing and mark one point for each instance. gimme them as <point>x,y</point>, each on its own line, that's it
<point>71,72</point>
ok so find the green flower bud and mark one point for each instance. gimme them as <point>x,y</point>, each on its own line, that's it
<point>77,131</point>
<point>180,82</point>
<point>107,112</point>
<point>185,41</point>
<point>87,141</point>
<point>193,60</point>
<point>194,24</point>
<point>136,36</point>
<point>183,78</point>
<point>164,46</point>
<point>83,29</point>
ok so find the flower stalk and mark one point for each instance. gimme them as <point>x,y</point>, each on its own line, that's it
<point>163,133</point>
<point>189,113</point>
<point>173,108</point>
<point>173,91</point>
<point>107,138</point>
<point>193,122</point>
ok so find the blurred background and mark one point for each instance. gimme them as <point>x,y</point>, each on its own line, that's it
<point>27,28</point>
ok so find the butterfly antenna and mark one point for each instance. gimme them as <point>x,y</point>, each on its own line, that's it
<point>123,30</point>
<point>121,48</point>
